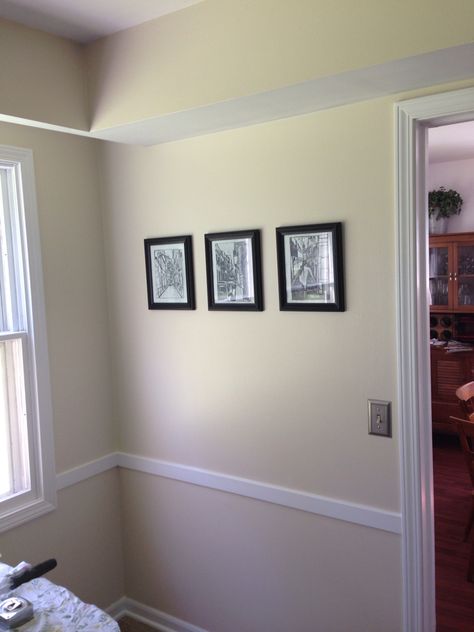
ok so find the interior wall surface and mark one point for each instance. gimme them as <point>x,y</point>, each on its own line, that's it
<point>69,210</point>
<point>270,395</point>
<point>42,77</point>
<point>457,175</point>
<point>223,49</point>
<point>84,535</point>
<point>69,213</point>
<point>273,396</point>
<point>232,564</point>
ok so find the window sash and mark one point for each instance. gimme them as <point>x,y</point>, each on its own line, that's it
<point>12,286</point>
<point>14,443</point>
<point>25,400</point>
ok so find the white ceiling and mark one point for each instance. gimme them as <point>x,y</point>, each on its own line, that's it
<point>451,142</point>
<point>87,20</point>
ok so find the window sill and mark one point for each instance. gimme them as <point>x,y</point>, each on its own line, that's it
<point>29,511</point>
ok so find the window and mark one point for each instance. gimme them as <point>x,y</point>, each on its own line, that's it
<point>27,476</point>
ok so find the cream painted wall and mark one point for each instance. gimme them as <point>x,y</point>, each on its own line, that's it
<point>84,532</point>
<point>221,49</point>
<point>42,77</point>
<point>69,210</point>
<point>274,396</point>
<point>230,564</point>
<point>457,175</point>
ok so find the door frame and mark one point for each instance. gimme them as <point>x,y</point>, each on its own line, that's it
<point>413,118</point>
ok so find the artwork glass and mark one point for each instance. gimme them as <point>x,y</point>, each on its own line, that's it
<point>169,273</point>
<point>310,267</point>
<point>233,270</point>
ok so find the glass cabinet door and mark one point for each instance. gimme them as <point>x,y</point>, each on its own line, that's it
<point>464,275</point>
<point>439,275</point>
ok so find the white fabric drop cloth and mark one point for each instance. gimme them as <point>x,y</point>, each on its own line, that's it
<point>57,609</point>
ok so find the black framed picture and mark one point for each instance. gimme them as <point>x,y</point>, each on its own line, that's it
<point>234,270</point>
<point>310,267</point>
<point>169,272</point>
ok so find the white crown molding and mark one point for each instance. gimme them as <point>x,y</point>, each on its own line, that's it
<point>412,73</point>
<point>266,492</point>
<point>156,619</point>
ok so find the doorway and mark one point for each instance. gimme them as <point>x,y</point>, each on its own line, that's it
<point>451,296</point>
<point>414,117</point>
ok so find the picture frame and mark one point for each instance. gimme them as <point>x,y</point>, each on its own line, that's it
<point>310,267</point>
<point>169,272</point>
<point>234,270</point>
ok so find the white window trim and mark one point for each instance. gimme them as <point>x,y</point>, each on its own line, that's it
<point>42,498</point>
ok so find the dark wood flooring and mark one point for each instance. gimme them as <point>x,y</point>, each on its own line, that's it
<point>128,624</point>
<point>454,594</point>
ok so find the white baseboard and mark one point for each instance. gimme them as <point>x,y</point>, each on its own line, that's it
<point>154,618</point>
<point>292,498</point>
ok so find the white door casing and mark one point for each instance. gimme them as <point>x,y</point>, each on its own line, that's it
<point>414,390</point>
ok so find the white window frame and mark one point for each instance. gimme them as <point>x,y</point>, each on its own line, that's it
<point>41,497</point>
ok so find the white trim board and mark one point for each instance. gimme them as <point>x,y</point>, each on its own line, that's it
<point>258,490</point>
<point>294,499</point>
<point>419,71</point>
<point>156,619</point>
<point>413,117</point>
<point>412,73</point>
<point>87,470</point>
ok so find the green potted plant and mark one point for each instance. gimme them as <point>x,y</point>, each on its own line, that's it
<point>442,203</point>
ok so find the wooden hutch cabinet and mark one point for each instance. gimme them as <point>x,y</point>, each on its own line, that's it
<point>451,273</point>
<point>451,286</point>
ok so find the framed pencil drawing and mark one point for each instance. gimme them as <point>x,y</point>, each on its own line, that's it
<point>169,272</point>
<point>310,267</point>
<point>233,265</point>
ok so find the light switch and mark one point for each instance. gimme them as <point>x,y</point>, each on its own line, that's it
<point>379,418</point>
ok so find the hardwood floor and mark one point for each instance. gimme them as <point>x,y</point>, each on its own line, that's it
<point>127,624</point>
<point>454,594</point>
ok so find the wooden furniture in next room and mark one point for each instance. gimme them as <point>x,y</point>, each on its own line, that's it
<point>451,285</point>
<point>465,395</point>
<point>451,273</point>
<point>465,430</point>
<point>449,371</point>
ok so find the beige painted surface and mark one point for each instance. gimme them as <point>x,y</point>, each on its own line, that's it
<point>230,564</point>
<point>83,534</point>
<point>221,49</point>
<point>274,396</point>
<point>42,77</point>
<point>75,294</point>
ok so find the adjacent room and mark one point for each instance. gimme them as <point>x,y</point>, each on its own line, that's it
<point>202,409</point>
<point>451,161</point>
